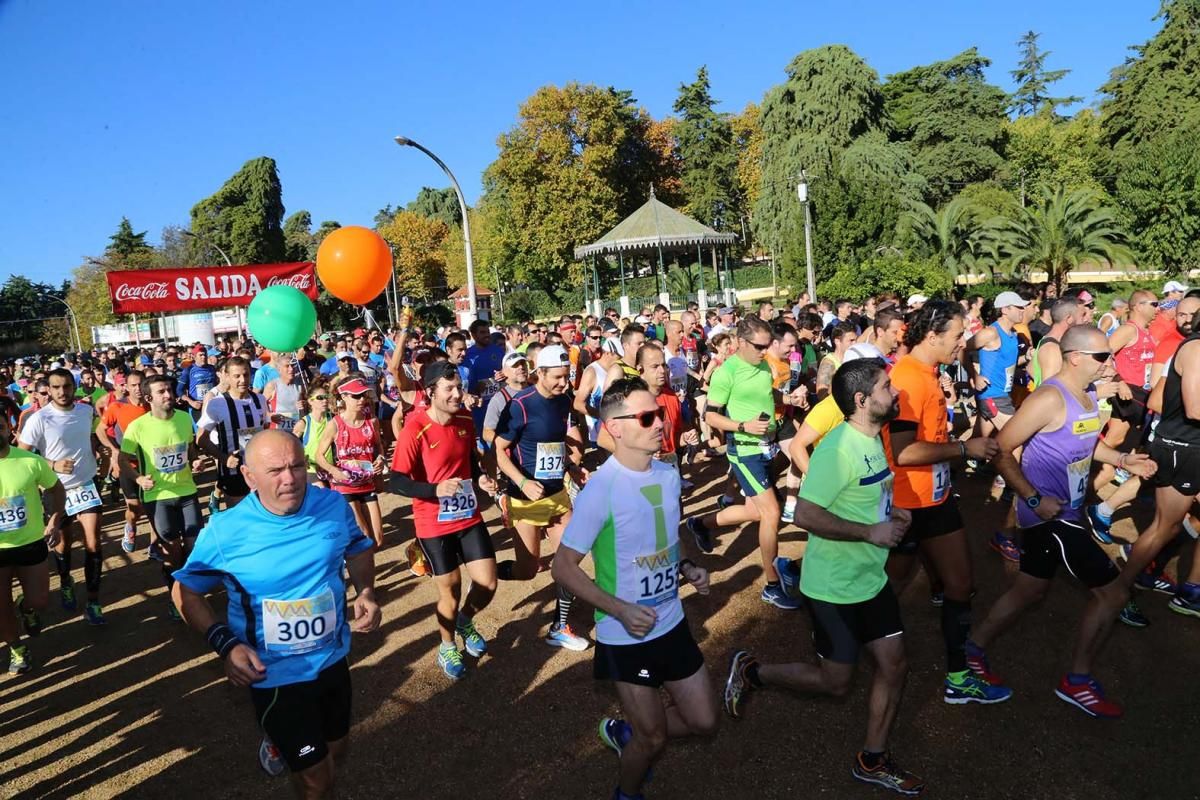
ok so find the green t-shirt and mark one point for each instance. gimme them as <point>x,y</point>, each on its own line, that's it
<point>22,477</point>
<point>808,360</point>
<point>849,477</point>
<point>161,448</point>
<point>746,392</point>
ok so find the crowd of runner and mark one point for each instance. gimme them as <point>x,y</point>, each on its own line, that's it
<point>853,424</point>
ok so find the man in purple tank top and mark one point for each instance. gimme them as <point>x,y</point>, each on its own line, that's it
<point>1059,428</point>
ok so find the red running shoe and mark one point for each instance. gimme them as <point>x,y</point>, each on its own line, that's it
<point>1089,697</point>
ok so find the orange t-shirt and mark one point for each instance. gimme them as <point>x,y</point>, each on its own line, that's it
<point>1161,327</point>
<point>117,416</point>
<point>673,421</point>
<point>923,405</point>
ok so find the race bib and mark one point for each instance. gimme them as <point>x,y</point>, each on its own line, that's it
<point>286,423</point>
<point>460,505</point>
<point>244,436</point>
<point>13,515</point>
<point>200,390</point>
<point>885,499</point>
<point>171,458</point>
<point>941,481</point>
<point>657,576</point>
<point>1008,377</point>
<point>1077,480</point>
<point>360,472</point>
<point>298,626</point>
<point>81,498</point>
<point>769,450</point>
<point>548,465</point>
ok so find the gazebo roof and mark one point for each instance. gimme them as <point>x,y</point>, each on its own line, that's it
<point>652,226</point>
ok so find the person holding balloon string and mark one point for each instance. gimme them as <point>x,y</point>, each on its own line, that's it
<point>357,455</point>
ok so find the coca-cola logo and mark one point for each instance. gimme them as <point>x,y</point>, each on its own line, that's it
<point>300,280</point>
<point>147,291</point>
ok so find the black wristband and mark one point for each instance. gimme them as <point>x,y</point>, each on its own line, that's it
<point>221,638</point>
<point>685,563</point>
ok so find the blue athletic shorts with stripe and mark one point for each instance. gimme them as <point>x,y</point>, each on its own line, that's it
<point>752,469</point>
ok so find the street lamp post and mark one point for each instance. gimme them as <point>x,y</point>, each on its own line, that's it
<point>73,317</point>
<point>802,192</point>
<point>229,263</point>
<point>462,204</point>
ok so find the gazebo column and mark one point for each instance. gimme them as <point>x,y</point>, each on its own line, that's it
<point>624,299</point>
<point>664,296</point>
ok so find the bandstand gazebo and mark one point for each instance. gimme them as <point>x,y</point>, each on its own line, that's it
<point>653,231</point>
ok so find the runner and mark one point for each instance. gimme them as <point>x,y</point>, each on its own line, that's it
<point>632,338</point>
<point>195,381</point>
<point>357,456</point>
<point>229,421</point>
<point>283,395</point>
<point>991,362</point>
<point>627,517</point>
<point>1047,356</point>
<point>436,465</point>
<point>312,425</point>
<point>741,404</point>
<point>159,456</point>
<point>62,433</point>
<point>1133,355</point>
<point>25,480</point>
<point>537,445</point>
<point>117,418</point>
<point>846,505</point>
<point>594,382</point>
<point>842,336</point>
<point>676,431</point>
<point>1059,428</point>
<point>280,558</point>
<point>516,378</point>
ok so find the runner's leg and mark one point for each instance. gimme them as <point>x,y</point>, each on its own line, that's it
<point>694,711</point>
<point>1169,510</point>
<point>375,518</point>
<point>93,558</point>
<point>1025,591</point>
<point>952,561</point>
<point>482,573</point>
<point>449,593</point>
<point>887,687</point>
<point>643,709</point>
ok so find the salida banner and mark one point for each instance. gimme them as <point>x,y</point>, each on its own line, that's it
<point>185,288</point>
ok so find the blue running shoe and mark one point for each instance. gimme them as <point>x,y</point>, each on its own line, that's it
<point>724,502</point>
<point>776,596</point>
<point>1101,525</point>
<point>1132,616</point>
<point>473,642</point>
<point>789,576</point>
<point>450,660</point>
<point>94,615</point>
<point>967,687</point>
<point>66,596</point>
<point>1158,583</point>
<point>615,733</point>
<point>702,535</point>
<point>1183,603</point>
<point>566,638</point>
<point>1006,547</point>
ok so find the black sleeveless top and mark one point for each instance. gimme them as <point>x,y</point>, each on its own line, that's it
<point>1175,427</point>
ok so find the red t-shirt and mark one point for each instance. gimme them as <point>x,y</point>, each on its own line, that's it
<point>1162,327</point>
<point>1167,346</point>
<point>431,453</point>
<point>673,422</point>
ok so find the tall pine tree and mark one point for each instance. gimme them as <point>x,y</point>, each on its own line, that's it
<point>245,216</point>
<point>1033,80</point>
<point>705,141</point>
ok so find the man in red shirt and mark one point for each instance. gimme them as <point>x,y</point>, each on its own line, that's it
<point>436,464</point>
<point>651,362</point>
<point>1163,326</point>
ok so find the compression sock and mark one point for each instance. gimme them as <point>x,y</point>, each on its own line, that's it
<point>562,606</point>
<point>870,760</point>
<point>93,563</point>
<point>1076,679</point>
<point>62,561</point>
<point>504,570</point>
<point>168,578</point>
<point>1105,510</point>
<point>956,629</point>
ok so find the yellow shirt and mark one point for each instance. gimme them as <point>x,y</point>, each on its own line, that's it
<point>824,417</point>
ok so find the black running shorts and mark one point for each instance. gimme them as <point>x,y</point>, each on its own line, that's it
<point>841,629</point>
<point>129,488</point>
<point>1178,466</point>
<point>670,657</point>
<point>445,553</point>
<point>930,523</point>
<point>175,516</point>
<point>1132,411</point>
<point>26,555</point>
<point>233,485</point>
<point>1045,546</point>
<point>302,718</point>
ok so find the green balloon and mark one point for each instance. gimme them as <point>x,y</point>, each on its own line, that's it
<point>281,318</point>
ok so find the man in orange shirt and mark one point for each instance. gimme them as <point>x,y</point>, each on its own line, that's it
<point>118,413</point>
<point>1163,326</point>
<point>919,450</point>
<point>652,364</point>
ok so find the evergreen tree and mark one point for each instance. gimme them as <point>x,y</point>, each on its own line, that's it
<point>439,204</point>
<point>709,161</point>
<point>125,243</point>
<point>245,216</point>
<point>1033,80</point>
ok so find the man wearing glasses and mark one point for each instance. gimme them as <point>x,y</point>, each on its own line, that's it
<point>1132,346</point>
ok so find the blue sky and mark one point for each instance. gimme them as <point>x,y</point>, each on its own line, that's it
<point>144,108</point>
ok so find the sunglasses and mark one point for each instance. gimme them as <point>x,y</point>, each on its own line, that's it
<point>1100,356</point>
<point>762,348</point>
<point>320,397</point>
<point>1089,305</point>
<point>1149,303</point>
<point>593,338</point>
<point>645,418</point>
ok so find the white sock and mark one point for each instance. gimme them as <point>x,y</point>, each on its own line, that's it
<point>1105,510</point>
<point>1191,530</point>
<point>790,503</point>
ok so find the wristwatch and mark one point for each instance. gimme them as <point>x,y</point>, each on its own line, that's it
<point>741,427</point>
<point>1033,501</point>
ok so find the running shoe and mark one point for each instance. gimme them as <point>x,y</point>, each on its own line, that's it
<point>1158,583</point>
<point>789,576</point>
<point>967,687</point>
<point>566,638</point>
<point>889,775</point>
<point>18,659</point>
<point>788,515</point>
<point>29,619</point>
<point>1132,616</point>
<point>737,685</point>
<point>1183,604</point>
<point>173,612</point>
<point>977,662</point>
<point>417,564</point>
<point>66,595</point>
<point>615,733</point>
<point>473,642</point>
<point>776,596</point>
<point>724,502</point>
<point>937,599</point>
<point>703,536</point>
<point>155,552</point>
<point>127,541</point>
<point>1089,697</point>
<point>1006,547</point>
<point>450,660</point>
<point>94,615</point>
<point>270,759</point>
<point>1101,525</point>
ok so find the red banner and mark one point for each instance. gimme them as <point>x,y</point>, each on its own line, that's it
<point>187,288</point>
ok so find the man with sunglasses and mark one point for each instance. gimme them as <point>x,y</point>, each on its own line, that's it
<point>741,404</point>
<point>1133,356</point>
<point>627,517</point>
<point>991,361</point>
<point>1057,430</point>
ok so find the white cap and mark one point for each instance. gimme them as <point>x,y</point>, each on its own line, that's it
<point>1006,299</point>
<point>862,350</point>
<point>917,298</point>
<point>1173,286</point>
<point>513,358</point>
<point>611,344</point>
<point>552,357</point>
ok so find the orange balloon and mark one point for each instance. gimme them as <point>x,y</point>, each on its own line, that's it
<point>355,264</point>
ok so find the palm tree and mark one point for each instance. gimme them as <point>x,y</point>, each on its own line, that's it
<point>1064,229</point>
<point>958,235</point>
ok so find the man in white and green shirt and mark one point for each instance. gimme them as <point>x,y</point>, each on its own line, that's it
<point>627,517</point>
<point>846,506</point>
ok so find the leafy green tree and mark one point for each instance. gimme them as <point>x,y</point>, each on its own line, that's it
<point>176,249</point>
<point>125,243</point>
<point>1159,189</point>
<point>1061,231</point>
<point>439,204</point>
<point>1045,152</point>
<point>956,237</point>
<point>952,119</point>
<point>747,143</point>
<point>297,237</point>
<point>705,142</point>
<point>1032,95</point>
<point>245,216</point>
<point>887,273</point>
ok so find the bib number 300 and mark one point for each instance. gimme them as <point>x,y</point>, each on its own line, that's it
<point>300,625</point>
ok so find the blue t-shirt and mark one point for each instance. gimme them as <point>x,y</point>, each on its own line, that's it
<point>195,380</point>
<point>330,367</point>
<point>262,376</point>
<point>283,575</point>
<point>482,365</point>
<point>537,427</point>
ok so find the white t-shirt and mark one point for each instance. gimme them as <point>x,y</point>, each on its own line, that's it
<point>58,434</point>
<point>677,373</point>
<point>629,522</point>
<point>232,436</point>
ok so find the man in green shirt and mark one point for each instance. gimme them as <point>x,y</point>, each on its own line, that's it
<point>159,454</point>
<point>23,540</point>
<point>846,505</point>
